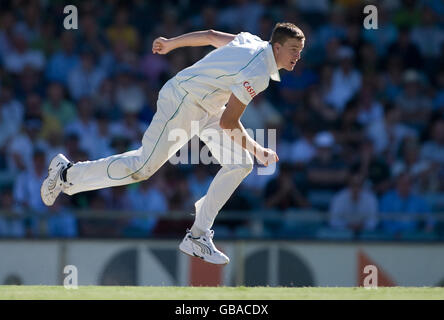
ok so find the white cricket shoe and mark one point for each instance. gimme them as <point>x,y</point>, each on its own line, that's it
<point>53,184</point>
<point>203,247</point>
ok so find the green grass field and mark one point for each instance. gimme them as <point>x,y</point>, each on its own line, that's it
<point>217,293</point>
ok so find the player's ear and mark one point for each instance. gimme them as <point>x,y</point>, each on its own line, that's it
<point>276,47</point>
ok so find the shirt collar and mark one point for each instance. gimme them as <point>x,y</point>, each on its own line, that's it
<point>271,62</point>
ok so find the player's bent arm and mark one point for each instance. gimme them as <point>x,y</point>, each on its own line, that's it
<point>193,39</point>
<point>231,124</point>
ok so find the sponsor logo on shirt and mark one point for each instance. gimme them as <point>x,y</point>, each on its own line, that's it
<point>249,89</point>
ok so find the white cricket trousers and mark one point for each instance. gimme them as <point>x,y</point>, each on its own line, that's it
<point>175,110</point>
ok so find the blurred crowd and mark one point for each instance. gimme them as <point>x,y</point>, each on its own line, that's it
<point>360,121</point>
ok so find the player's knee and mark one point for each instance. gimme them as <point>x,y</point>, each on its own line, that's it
<point>142,174</point>
<point>244,168</point>
<point>248,168</point>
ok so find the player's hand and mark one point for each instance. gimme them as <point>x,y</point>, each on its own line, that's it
<point>266,156</point>
<point>162,45</point>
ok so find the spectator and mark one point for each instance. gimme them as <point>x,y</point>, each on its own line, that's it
<point>243,15</point>
<point>281,193</point>
<point>62,62</point>
<point>354,207</point>
<point>57,106</point>
<point>72,145</point>
<point>410,162</point>
<point>20,56</point>
<point>27,184</point>
<point>7,23</point>
<point>199,181</point>
<point>321,114</point>
<point>375,167</point>
<point>20,147</point>
<point>414,105</point>
<point>152,66</point>
<point>102,141</point>
<point>408,14</point>
<point>85,126</point>
<point>104,99</point>
<point>28,83</point>
<point>349,130</point>
<point>346,80</point>
<point>11,218</point>
<point>62,223</point>
<point>180,198</point>
<point>85,78</point>
<point>327,171</point>
<point>334,28</point>
<point>303,149</point>
<point>11,115</point>
<point>433,149</point>
<point>130,128</point>
<point>294,84</point>
<point>404,47</point>
<point>30,26</point>
<point>369,109</point>
<point>117,198</point>
<point>388,132</point>
<point>128,93</point>
<point>122,31</point>
<point>45,39</point>
<point>428,35</point>
<point>411,209</point>
<point>392,80</point>
<point>91,37</point>
<point>438,101</point>
<point>368,59</point>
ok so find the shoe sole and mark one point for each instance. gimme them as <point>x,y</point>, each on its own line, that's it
<point>45,187</point>
<point>203,259</point>
<point>44,184</point>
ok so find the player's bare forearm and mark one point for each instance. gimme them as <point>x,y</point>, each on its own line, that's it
<point>230,122</point>
<point>240,136</point>
<point>193,39</point>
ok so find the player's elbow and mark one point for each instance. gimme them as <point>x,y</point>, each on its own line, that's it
<point>212,37</point>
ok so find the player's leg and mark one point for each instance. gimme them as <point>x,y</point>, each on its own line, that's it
<point>173,111</point>
<point>236,165</point>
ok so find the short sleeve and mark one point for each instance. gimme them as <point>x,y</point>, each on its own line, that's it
<point>246,37</point>
<point>246,90</point>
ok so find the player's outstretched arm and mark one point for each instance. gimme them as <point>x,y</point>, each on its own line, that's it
<point>213,38</point>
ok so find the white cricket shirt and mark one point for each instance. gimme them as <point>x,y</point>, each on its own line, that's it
<point>242,67</point>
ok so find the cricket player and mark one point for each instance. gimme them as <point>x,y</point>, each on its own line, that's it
<point>214,92</point>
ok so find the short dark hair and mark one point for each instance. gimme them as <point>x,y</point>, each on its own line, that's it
<point>284,30</point>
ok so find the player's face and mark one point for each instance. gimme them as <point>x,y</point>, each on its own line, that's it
<point>289,53</point>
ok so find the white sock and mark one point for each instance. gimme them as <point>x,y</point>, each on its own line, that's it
<point>196,232</point>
